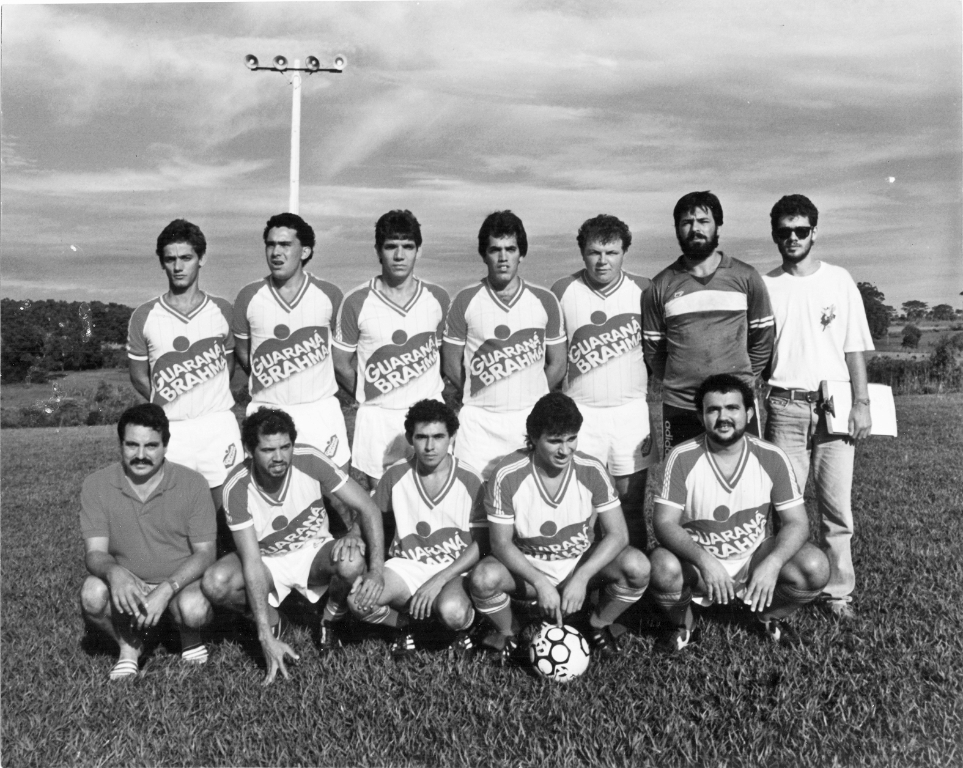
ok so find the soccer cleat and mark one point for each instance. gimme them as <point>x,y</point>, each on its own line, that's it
<point>840,610</point>
<point>123,669</point>
<point>603,643</point>
<point>403,646</point>
<point>675,639</point>
<point>512,653</point>
<point>196,654</point>
<point>463,646</point>
<point>328,642</point>
<point>781,633</point>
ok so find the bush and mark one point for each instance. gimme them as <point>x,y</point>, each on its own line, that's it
<point>911,336</point>
<point>103,406</point>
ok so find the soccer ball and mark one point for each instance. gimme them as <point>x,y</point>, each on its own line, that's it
<point>559,653</point>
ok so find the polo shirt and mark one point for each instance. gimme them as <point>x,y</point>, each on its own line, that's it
<point>152,538</point>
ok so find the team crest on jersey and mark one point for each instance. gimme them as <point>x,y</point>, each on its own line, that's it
<point>332,447</point>
<point>730,535</point>
<point>395,366</point>
<point>280,358</point>
<point>230,456</point>
<point>570,541</point>
<point>437,548</point>
<point>180,371</point>
<point>499,358</point>
<point>594,345</point>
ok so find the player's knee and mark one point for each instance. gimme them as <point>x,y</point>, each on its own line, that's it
<point>635,568</point>
<point>94,597</point>
<point>455,611</point>
<point>216,584</point>
<point>666,571</point>
<point>814,568</point>
<point>484,579</point>
<point>192,609</point>
<point>350,568</point>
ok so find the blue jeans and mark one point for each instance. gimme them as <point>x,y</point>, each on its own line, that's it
<point>799,428</point>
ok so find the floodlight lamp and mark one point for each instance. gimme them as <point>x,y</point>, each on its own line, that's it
<point>251,61</point>
<point>312,63</point>
<point>339,62</point>
<point>280,63</point>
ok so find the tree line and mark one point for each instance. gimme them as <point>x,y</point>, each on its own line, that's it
<point>38,338</point>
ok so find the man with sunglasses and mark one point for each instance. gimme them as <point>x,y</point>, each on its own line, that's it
<point>821,335</point>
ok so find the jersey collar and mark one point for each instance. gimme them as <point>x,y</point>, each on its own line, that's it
<point>731,483</point>
<point>422,491</point>
<point>555,500</point>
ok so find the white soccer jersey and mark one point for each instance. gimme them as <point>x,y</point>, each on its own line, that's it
<point>549,527</point>
<point>290,343</point>
<point>398,361</point>
<point>727,516</point>
<point>187,355</point>
<point>604,326</point>
<point>819,318</point>
<point>504,344</point>
<point>297,515</point>
<point>433,531</point>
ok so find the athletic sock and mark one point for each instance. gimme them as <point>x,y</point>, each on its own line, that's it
<point>675,606</point>
<point>614,601</point>
<point>786,599</point>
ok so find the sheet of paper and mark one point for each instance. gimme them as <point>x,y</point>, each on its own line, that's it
<point>838,401</point>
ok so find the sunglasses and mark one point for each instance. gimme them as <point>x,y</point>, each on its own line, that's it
<point>802,233</point>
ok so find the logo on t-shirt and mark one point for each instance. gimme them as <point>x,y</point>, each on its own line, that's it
<point>188,366</point>
<point>433,548</point>
<point>506,354</point>
<point>730,535</point>
<point>391,367</point>
<point>606,339</point>
<point>293,534</point>
<point>287,354</point>
<point>570,541</point>
<point>829,314</point>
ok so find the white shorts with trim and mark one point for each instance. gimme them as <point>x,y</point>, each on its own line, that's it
<point>556,571</point>
<point>738,569</point>
<point>379,439</point>
<point>620,436</point>
<point>485,436</point>
<point>413,573</point>
<point>290,571</point>
<point>320,424</point>
<point>209,444</point>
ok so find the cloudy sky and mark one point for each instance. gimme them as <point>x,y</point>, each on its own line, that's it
<point>118,118</point>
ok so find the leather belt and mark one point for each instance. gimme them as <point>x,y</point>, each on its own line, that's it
<point>795,394</point>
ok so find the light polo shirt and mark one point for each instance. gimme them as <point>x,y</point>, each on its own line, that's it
<point>152,538</point>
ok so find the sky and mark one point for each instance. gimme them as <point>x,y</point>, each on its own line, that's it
<point>118,118</point>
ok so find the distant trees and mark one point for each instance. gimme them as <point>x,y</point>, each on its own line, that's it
<point>41,337</point>
<point>943,312</point>
<point>915,310</point>
<point>877,313</point>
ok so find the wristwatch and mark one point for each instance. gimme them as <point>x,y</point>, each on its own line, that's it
<point>861,401</point>
<point>175,586</point>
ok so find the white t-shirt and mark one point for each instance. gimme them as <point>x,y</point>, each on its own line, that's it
<point>819,318</point>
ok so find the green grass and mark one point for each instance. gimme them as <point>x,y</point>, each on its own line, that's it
<point>889,693</point>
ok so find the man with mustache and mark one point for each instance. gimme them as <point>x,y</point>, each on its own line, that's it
<point>711,519</point>
<point>821,335</point>
<point>705,313</point>
<point>149,530</point>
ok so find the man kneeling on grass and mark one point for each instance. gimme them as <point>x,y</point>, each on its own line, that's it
<point>438,507</point>
<point>711,516</point>
<point>542,504</point>
<point>149,530</point>
<point>274,509</point>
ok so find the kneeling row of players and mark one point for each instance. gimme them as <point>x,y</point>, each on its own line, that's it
<point>546,528</point>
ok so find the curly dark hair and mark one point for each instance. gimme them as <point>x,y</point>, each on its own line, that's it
<point>724,382</point>
<point>605,229</point>
<point>502,224</point>
<point>266,421</point>
<point>428,412</point>
<point>148,415</point>
<point>793,205</point>
<point>181,231</point>
<point>553,414</point>
<point>397,225</point>
<point>694,200</point>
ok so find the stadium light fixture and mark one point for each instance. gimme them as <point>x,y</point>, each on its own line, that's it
<point>281,64</point>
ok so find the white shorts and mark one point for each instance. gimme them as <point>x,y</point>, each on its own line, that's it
<point>209,444</point>
<point>379,439</point>
<point>738,569</point>
<point>620,436</point>
<point>485,436</point>
<point>290,571</point>
<point>556,571</point>
<point>320,424</point>
<point>413,573</point>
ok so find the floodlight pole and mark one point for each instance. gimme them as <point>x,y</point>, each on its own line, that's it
<point>281,65</point>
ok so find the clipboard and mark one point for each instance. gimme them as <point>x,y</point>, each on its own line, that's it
<point>837,401</point>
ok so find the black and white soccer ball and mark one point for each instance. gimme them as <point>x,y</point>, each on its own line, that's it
<point>559,653</point>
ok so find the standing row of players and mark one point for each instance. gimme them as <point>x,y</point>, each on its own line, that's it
<point>504,342</point>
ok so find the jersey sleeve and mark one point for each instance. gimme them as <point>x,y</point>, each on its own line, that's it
<point>499,505</point>
<point>235,499</point>
<point>785,490</point>
<point>599,483</point>
<point>136,339</point>
<point>227,312</point>
<point>654,340</point>
<point>314,463</point>
<point>240,324</point>
<point>456,322</point>
<point>475,488</point>
<point>93,515</point>
<point>674,491</point>
<point>383,493</point>
<point>858,336</point>
<point>334,296</point>
<point>348,326</point>
<point>554,327</point>
<point>762,324</point>
<point>444,302</point>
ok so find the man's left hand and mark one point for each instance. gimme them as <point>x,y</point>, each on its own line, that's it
<point>347,548</point>
<point>367,589</point>
<point>424,599</point>
<point>152,606</point>
<point>761,586</point>
<point>573,595</point>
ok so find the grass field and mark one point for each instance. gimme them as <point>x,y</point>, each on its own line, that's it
<point>887,693</point>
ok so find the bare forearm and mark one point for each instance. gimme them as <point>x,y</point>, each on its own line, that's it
<point>100,564</point>
<point>512,558</point>
<point>856,363</point>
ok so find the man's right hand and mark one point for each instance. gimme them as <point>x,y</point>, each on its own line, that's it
<point>126,590</point>
<point>720,588</point>
<point>274,652</point>
<point>549,602</point>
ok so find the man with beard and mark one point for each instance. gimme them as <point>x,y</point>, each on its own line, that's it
<point>821,335</point>
<point>705,313</point>
<point>711,519</point>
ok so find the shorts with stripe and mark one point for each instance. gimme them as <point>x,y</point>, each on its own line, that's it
<point>291,570</point>
<point>413,573</point>
<point>738,570</point>
<point>619,436</point>
<point>379,439</point>
<point>485,436</point>
<point>209,444</point>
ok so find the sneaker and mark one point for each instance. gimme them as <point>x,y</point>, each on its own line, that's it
<point>512,653</point>
<point>463,646</point>
<point>675,639</point>
<point>603,642</point>
<point>781,633</point>
<point>403,646</point>
<point>328,642</point>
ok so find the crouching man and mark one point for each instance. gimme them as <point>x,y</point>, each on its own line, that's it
<point>710,519</point>
<point>542,504</point>
<point>437,503</point>
<point>277,517</point>
<point>149,530</point>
